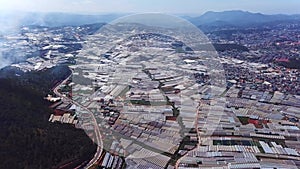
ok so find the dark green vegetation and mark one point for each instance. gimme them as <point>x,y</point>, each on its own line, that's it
<point>233,142</point>
<point>293,63</point>
<point>224,47</point>
<point>243,120</point>
<point>27,139</point>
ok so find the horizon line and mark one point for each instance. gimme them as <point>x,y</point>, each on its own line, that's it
<point>126,13</point>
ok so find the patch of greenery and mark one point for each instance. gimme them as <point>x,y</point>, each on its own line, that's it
<point>243,120</point>
<point>27,139</point>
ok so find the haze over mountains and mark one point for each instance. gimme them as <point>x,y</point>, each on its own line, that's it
<point>225,18</point>
<point>209,21</point>
<point>239,18</point>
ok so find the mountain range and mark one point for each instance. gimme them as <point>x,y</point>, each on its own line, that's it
<point>239,18</point>
<point>236,18</point>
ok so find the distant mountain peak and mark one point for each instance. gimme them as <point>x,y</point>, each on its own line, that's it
<point>239,18</point>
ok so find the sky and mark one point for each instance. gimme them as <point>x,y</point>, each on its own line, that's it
<point>162,6</point>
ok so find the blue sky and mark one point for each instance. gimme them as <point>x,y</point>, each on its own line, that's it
<point>139,6</point>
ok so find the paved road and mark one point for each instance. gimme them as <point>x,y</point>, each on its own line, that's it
<point>94,122</point>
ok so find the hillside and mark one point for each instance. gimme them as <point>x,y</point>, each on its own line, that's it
<point>27,139</point>
<point>239,18</point>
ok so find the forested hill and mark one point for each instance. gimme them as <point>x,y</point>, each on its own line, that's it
<point>27,139</point>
